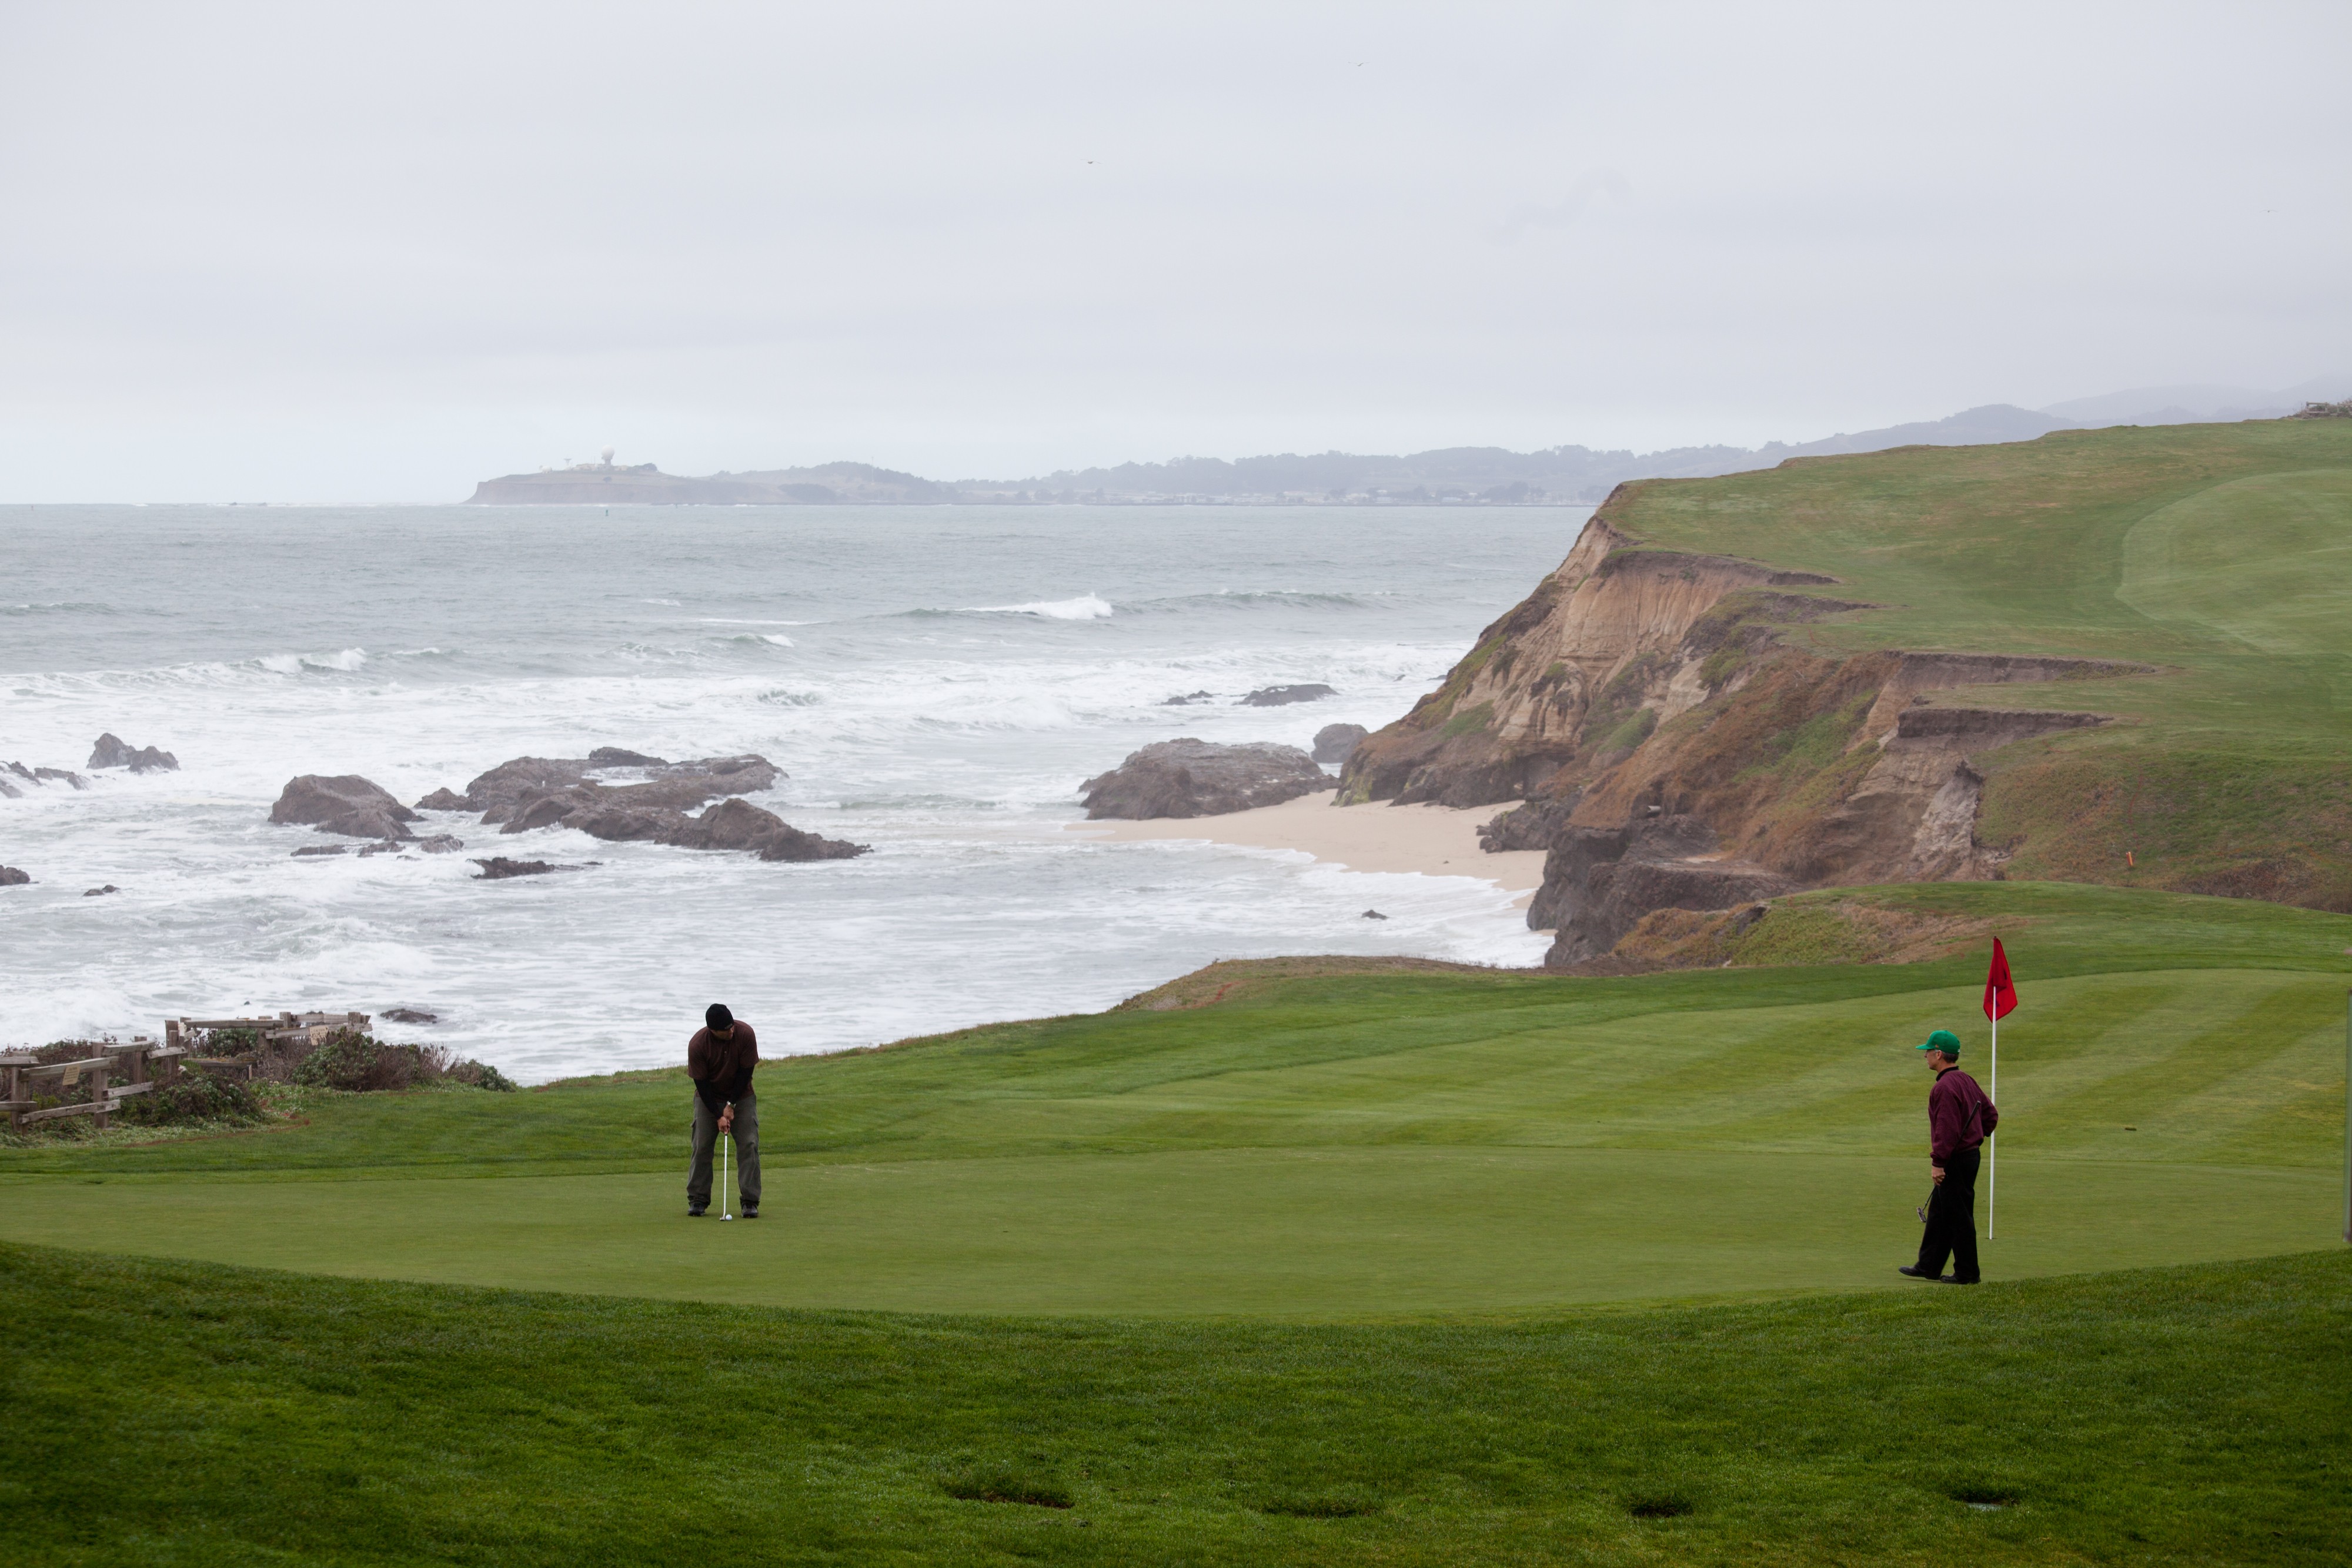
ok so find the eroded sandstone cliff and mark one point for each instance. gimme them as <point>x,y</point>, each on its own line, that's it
<point>1674,749</point>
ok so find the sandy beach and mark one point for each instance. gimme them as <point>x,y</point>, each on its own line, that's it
<point>1433,841</point>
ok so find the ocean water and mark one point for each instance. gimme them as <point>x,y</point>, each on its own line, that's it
<point>935,681</point>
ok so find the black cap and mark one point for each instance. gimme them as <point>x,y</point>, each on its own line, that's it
<point>717,1016</point>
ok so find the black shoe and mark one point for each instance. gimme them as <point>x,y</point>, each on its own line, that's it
<point>1916,1272</point>
<point>751,1214</point>
<point>1956,1279</point>
<point>694,1213</point>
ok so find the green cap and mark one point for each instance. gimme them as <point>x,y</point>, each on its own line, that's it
<point>1944,1041</point>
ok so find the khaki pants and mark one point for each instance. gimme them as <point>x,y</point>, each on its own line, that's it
<point>747,1152</point>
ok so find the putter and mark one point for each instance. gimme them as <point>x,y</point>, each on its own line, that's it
<point>726,1155</point>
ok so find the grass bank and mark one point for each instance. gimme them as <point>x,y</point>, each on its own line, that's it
<point>184,1414</point>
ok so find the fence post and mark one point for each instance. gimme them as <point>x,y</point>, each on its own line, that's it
<point>98,1092</point>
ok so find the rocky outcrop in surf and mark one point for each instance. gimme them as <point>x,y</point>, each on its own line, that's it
<point>343,803</point>
<point>113,751</point>
<point>498,868</point>
<point>628,796</point>
<point>1281,697</point>
<point>1190,777</point>
<point>607,777</point>
<point>11,774</point>
<point>11,877</point>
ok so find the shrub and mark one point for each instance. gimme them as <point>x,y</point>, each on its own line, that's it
<point>193,1097</point>
<point>358,1063</point>
<point>480,1074</point>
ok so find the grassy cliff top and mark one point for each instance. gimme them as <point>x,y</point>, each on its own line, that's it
<point>2222,553</point>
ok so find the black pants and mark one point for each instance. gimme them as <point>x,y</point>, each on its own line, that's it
<point>1952,1219</point>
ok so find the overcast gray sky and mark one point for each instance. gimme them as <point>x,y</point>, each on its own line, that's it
<point>348,252</point>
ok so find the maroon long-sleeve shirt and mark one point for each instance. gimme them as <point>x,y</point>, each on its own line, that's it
<point>1958,1114</point>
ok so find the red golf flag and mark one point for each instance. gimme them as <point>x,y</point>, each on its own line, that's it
<point>2000,993</point>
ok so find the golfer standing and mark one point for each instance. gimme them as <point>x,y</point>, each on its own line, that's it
<point>721,1059</point>
<point>1959,1119</point>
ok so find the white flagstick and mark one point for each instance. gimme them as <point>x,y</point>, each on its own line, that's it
<point>1992,1182</point>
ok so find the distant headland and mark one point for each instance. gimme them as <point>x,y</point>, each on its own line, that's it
<point>645,484</point>
<point>1451,476</point>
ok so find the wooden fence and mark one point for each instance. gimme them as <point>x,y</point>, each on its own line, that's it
<point>114,1072</point>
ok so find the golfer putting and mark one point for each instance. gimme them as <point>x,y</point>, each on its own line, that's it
<point>1959,1119</point>
<point>720,1059</point>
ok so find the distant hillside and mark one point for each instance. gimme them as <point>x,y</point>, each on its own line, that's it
<point>2199,404</point>
<point>1456,475</point>
<point>1480,474</point>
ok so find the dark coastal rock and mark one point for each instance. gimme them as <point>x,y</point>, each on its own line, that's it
<point>1530,826</point>
<point>439,844</point>
<point>113,751</point>
<point>541,810</point>
<point>677,786</point>
<point>739,825</point>
<point>1276,696</point>
<point>1600,882</point>
<point>100,891</point>
<point>39,776</point>
<point>408,1015</point>
<point>311,851</point>
<point>498,868</point>
<point>526,793</point>
<point>1336,742</point>
<point>383,847</point>
<point>1186,700</point>
<point>1373,915</point>
<point>344,803</point>
<point>11,877</point>
<point>1189,778</point>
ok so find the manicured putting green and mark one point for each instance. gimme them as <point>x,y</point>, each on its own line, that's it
<point>1307,1233</point>
<point>1358,1144</point>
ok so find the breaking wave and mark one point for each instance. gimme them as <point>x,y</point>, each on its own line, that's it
<point>349,659</point>
<point>1084,607</point>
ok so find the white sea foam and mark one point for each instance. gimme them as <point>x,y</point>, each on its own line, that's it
<point>1084,607</point>
<point>952,743</point>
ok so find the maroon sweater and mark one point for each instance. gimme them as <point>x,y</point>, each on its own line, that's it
<point>1958,1114</point>
<point>721,1069</point>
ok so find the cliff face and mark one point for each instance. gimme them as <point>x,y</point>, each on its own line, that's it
<point>1673,752</point>
<point>1590,662</point>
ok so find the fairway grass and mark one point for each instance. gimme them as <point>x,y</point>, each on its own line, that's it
<point>1358,1145</point>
